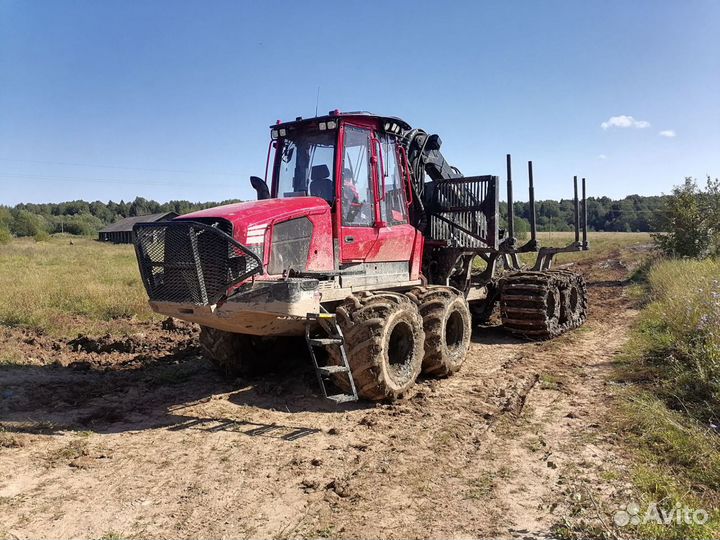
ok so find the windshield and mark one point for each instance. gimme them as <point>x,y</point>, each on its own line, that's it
<point>306,165</point>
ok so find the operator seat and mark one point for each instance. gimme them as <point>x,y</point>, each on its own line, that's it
<point>320,183</point>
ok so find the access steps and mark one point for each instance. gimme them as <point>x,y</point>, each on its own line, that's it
<point>328,325</point>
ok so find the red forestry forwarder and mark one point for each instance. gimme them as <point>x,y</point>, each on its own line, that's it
<point>363,241</point>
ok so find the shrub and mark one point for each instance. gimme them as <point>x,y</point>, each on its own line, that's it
<point>41,236</point>
<point>5,236</point>
<point>690,221</point>
<point>522,229</point>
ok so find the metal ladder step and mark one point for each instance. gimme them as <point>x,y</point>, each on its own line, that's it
<point>321,342</point>
<point>329,370</point>
<point>342,398</point>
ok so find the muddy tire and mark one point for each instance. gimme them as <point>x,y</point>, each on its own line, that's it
<point>237,354</point>
<point>574,307</point>
<point>530,305</point>
<point>447,323</point>
<point>543,305</point>
<point>384,340</point>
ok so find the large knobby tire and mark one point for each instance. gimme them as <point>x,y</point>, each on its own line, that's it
<point>447,323</point>
<point>543,305</point>
<point>384,343</point>
<point>237,354</point>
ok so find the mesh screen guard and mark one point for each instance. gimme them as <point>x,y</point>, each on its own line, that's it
<point>464,212</point>
<point>190,262</point>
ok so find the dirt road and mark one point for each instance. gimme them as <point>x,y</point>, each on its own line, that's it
<point>134,441</point>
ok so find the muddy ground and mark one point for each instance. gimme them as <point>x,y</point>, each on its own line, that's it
<point>139,437</point>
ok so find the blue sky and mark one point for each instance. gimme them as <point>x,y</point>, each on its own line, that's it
<point>172,100</point>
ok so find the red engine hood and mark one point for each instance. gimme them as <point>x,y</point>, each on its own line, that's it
<point>244,214</point>
<point>254,222</point>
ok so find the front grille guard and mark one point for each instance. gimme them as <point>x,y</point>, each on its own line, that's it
<point>190,262</point>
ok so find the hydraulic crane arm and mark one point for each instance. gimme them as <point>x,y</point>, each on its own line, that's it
<point>426,160</point>
<point>424,156</point>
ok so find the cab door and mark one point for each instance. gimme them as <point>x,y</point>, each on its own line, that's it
<point>356,193</point>
<point>395,236</point>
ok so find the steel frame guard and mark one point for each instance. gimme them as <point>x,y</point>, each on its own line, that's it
<point>214,230</point>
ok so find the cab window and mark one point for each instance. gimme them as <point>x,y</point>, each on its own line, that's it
<point>392,206</point>
<point>306,166</point>
<point>357,195</point>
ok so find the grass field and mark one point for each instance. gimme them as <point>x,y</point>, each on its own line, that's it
<point>63,288</point>
<point>669,410</point>
<point>93,287</point>
<point>601,243</point>
<point>678,334</point>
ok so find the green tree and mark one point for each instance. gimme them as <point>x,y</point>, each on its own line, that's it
<point>25,223</point>
<point>5,217</point>
<point>690,221</point>
<point>5,235</point>
<point>522,229</point>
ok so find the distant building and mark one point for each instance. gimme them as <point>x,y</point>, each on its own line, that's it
<point>121,232</point>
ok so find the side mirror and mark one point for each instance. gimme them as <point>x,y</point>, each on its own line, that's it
<point>263,192</point>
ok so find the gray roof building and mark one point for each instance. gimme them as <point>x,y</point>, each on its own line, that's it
<point>120,232</point>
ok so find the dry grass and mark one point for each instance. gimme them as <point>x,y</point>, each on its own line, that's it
<point>676,344</point>
<point>667,416</point>
<point>72,450</point>
<point>601,243</point>
<point>63,289</point>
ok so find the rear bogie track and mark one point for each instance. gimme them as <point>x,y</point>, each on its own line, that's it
<point>543,305</point>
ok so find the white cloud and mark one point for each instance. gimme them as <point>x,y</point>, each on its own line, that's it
<point>602,156</point>
<point>624,121</point>
<point>669,133</point>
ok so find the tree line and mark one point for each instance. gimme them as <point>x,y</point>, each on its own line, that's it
<point>84,218</point>
<point>634,213</point>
